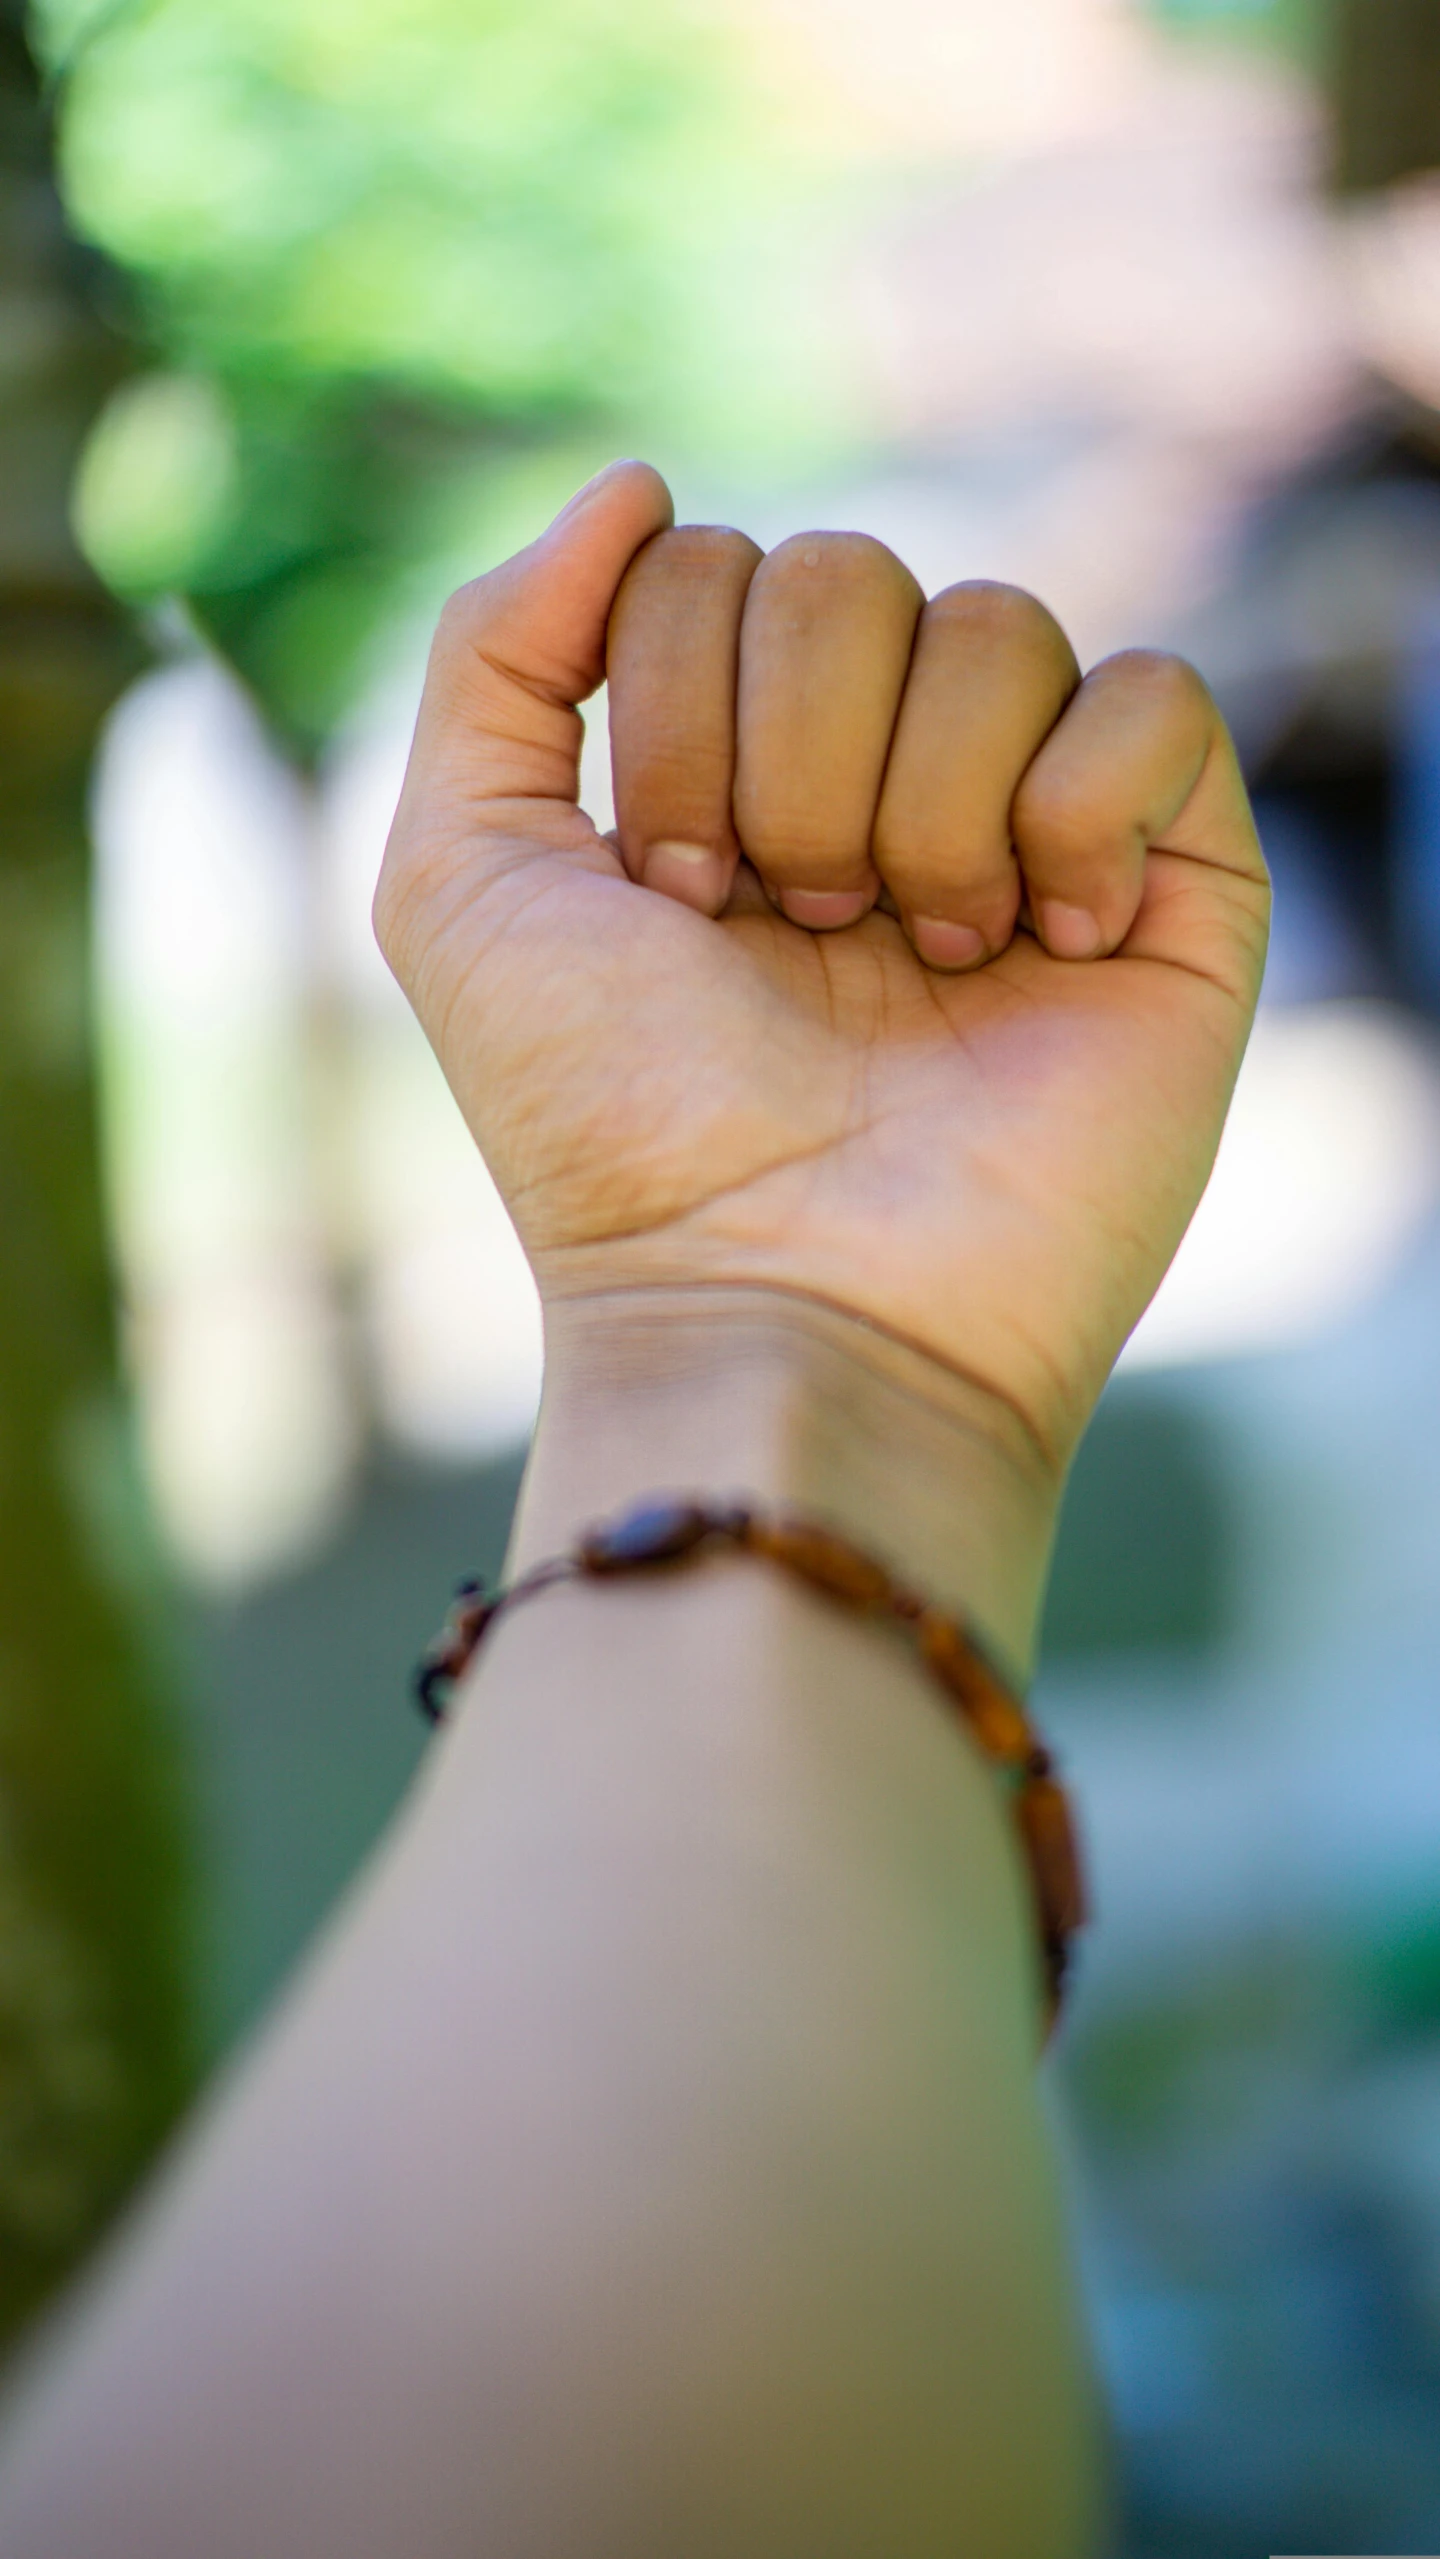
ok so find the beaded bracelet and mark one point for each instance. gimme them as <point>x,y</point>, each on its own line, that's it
<point>667,1532</point>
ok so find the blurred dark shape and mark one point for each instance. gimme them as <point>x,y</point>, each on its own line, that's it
<point>1143,1559</point>
<point>1269,2319</point>
<point>1317,950</point>
<point>1396,1975</point>
<point>95,2044</point>
<point>1335,612</point>
<point>307,1730</point>
<point>1384,81</point>
<point>1416,818</point>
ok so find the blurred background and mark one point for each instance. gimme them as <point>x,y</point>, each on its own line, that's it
<point>309,308</point>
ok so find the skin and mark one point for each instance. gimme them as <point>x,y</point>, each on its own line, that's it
<point>652,2158</point>
<point>675,1084</point>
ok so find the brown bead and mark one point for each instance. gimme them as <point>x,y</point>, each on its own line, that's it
<point>997,1722</point>
<point>454,1648</point>
<point>943,1647</point>
<point>654,1533</point>
<point>470,1615</point>
<point>667,1530</point>
<point>1042,1812</point>
<point>818,1556</point>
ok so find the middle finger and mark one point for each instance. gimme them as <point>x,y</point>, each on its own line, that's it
<point>824,647</point>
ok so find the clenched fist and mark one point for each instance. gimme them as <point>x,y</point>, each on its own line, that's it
<point>914,979</point>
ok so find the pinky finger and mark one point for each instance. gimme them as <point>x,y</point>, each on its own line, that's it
<point>1115,775</point>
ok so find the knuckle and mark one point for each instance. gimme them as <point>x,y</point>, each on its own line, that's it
<point>1005,616</point>
<point>699,550</point>
<point>1056,823</point>
<point>677,577</point>
<point>840,564</point>
<point>1167,682</point>
<point>459,613</point>
<point>386,910</point>
<point>678,564</point>
<point>458,631</point>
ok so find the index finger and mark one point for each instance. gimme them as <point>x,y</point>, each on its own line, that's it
<point>518,649</point>
<point>672,656</point>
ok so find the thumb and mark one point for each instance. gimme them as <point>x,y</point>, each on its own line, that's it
<point>516,650</point>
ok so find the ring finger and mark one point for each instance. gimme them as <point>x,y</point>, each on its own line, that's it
<point>991,674</point>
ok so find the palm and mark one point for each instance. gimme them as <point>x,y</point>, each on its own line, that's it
<point>997,1165</point>
<point>661,1097</point>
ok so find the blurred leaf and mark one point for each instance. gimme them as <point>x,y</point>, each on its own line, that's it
<point>379,249</point>
<point>1294,27</point>
<point>1143,1560</point>
<point>156,482</point>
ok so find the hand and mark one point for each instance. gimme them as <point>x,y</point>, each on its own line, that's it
<point>978,1112</point>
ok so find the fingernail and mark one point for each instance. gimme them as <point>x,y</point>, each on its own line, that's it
<point>825,910</point>
<point>1071,932</point>
<point>693,874</point>
<point>943,945</point>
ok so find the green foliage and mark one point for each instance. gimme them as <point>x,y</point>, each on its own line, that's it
<point>97,2043</point>
<point>1292,27</point>
<point>382,247</point>
<point>156,482</point>
<point>97,2049</point>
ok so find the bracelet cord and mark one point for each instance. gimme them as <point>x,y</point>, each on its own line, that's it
<point>665,1532</point>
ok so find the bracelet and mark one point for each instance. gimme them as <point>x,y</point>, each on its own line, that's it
<point>667,1532</point>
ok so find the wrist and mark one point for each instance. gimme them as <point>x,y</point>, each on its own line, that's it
<point>766,1393</point>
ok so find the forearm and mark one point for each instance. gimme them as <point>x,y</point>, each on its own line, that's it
<point>652,2161</point>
